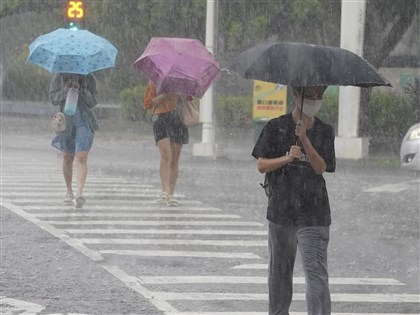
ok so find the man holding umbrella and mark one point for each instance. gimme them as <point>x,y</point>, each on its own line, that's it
<point>294,151</point>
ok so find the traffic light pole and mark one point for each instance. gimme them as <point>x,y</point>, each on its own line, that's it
<point>208,148</point>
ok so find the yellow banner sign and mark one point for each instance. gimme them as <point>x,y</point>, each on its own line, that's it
<point>269,100</point>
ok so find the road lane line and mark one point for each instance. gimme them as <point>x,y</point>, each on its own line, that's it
<point>94,255</point>
<point>135,215</point>
<point>166,232</point>
<point>192,254</point>
<point>335,297</point>
<point>159,223</point>
<point>19,306</point>
<point>133,284</point>
<point>260,280</point>
<point>155,241</point>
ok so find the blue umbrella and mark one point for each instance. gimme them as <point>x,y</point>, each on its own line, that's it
<point>68,51</point>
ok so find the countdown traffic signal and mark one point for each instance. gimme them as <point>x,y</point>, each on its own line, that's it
<point>75,13</point>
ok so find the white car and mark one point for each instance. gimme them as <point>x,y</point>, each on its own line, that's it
<point>410,149</point>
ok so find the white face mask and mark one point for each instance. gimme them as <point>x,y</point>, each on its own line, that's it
<point>311,107</point>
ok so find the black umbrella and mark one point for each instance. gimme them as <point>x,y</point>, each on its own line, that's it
<point>299,64</point>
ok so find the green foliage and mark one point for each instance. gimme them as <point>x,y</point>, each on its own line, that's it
<point>11,7</point>
<point>233,111</point>
<point>391,115</point>
<point>26,80</point>
<point>132,105</point>
<point>329,110</point>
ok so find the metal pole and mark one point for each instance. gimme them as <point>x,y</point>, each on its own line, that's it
<point>207,147</point>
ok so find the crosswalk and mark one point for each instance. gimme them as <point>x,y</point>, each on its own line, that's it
<point>188,260</point>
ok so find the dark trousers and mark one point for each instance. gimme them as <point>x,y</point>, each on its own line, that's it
<point>312,243</point>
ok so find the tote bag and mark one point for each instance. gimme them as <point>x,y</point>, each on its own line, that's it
<point>188,112</point>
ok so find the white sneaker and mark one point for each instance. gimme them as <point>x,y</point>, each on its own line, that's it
<point>69,199</point>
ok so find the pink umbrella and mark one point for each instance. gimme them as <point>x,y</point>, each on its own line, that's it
<point>178,65</point>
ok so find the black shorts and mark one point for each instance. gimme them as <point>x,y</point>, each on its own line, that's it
<point>169,125</point>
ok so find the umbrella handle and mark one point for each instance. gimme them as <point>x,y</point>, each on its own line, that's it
<point>301,102</point>
<point>301,111</point>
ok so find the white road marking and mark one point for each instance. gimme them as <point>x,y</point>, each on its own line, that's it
<point>260,280</point>
<point>195,254</point>
<point>43,178</point>
<point>133,283</point>
<point>251,266</point>
<point>95,256</point>
<point>165,232</point>
<point>99,195</point>
<point>155,241</point>
<point>335,297</point>
<point>394,187</point>
<point>19,306</point>
<point>104,203</point>
<point>159,223</point>
<point>124,208</point>
<point>135,215</point>
<point>265,313</point>
<point>108,187</point>
<point>97,200</point>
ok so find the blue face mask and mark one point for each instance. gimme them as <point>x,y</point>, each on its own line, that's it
<point>311,107</point>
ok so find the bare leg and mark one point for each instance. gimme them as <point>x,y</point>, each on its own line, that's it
<point>68,170</point>
<point>174,166</point>
<point>164,146</point>
<point>81,162</point>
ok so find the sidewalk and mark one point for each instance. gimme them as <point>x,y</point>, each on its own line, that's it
<point>125,146</point>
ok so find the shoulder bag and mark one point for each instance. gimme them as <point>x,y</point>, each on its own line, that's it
<point>188,113</point>
<point>58,122</point>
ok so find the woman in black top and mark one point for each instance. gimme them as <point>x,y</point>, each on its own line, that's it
<point>294,151</point>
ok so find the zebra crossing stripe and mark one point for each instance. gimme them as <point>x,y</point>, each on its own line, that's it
<point>335,297</point>
<point>260,280</point>
<point>154,223</point>
<point>99,185</point>
<point>44,178</point>
<point>165,232</point>
<point>106,208</point>
<point>98,200</point>
<point>265,313</point>
<point>101,195</point>
<point>195,254</point>
<point>135,215</point>
<point>155,241</point>
<point>251,266</point>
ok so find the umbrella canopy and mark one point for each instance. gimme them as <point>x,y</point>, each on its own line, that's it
<point>67,51</point>
<point>178,65</point>
<point>300,64</point>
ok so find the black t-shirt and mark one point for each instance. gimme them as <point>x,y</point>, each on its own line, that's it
<point>296,194</point>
